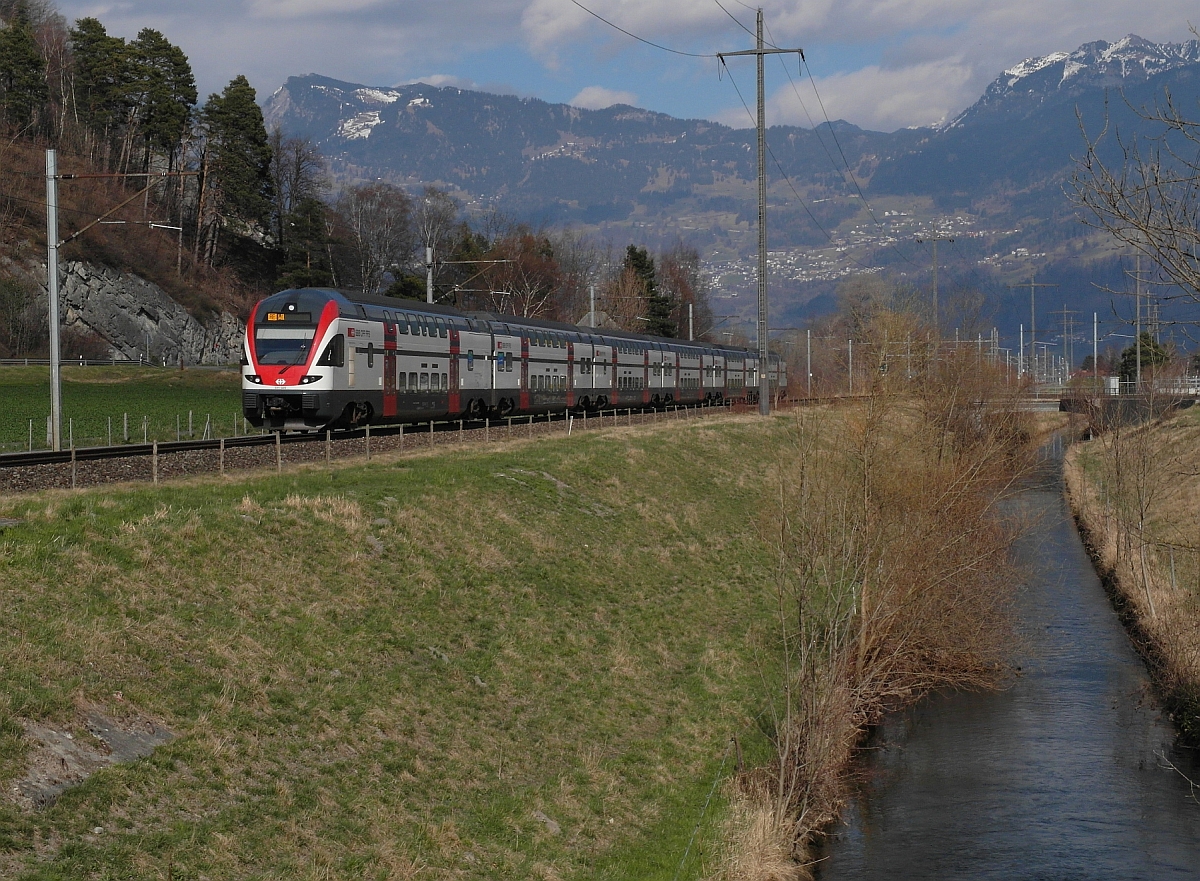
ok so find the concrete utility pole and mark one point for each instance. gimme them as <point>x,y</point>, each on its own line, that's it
<point>52,246</point>
<point>429,275</point>
<point>934,241</point>
<point>52,287</point>
<point>760,52</point>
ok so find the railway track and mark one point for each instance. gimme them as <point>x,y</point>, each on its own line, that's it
<point>151,462</point>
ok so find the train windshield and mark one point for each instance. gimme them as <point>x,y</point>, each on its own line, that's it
<point>283,345</point>
<point>286,324</point>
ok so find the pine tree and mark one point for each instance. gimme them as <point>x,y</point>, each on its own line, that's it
<point>1154,355</point>
<point>306,257</point>
<point>659,307</point>
<point>240,153</point>
<point>23,89</point>
<point>166,92</point>
<point>101,76</point>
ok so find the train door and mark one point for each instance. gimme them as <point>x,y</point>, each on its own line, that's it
<point>454,403</point>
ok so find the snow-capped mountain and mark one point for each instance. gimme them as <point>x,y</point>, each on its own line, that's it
<point>1063,76</point>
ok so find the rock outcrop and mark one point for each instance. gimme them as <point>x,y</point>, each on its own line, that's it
<point>139,320</point>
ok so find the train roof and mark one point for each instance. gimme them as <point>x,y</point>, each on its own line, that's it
<point>398,304</point>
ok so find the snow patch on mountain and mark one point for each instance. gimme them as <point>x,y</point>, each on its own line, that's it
<point>1099,64</point>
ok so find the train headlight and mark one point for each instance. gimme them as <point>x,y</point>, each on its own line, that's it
<point>254,378</point>
<point>312,377</point>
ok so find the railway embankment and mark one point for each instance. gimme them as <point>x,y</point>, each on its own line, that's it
<point>1133,493</point>
<point>643,651</point>
<point>522,659</point>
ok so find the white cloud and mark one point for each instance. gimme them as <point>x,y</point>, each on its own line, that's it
<point>598,97</point>
<point>878,98</point>
<point>276,9</point>
<point>879,63</point>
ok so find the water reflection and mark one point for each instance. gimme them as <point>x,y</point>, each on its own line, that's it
<point>1061,776</point>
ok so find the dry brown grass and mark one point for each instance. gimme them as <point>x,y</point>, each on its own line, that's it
<point>1133,491</point>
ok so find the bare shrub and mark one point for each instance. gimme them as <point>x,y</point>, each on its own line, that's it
<point>892,575</point>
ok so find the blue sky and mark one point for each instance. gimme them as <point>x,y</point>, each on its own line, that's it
<point>881,64</point>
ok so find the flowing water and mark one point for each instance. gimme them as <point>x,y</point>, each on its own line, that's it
<point>1064,775</point>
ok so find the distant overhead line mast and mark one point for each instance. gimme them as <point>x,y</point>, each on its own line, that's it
<point>934,239</point>
<point>764,372</point>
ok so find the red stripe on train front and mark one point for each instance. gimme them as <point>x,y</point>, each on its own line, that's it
<point>290,374</point>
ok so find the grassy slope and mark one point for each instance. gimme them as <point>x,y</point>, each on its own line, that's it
<point>93,394</point>
<point>391,668</point>
<point>1159,471</point>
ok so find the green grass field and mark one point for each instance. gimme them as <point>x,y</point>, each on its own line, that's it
<point>93,395</point>
<point>390,670</point>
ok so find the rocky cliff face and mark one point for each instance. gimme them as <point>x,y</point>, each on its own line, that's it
<point>139,320</point>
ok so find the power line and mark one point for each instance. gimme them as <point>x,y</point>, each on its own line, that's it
<point>640,39</point>
<point>736,20</point>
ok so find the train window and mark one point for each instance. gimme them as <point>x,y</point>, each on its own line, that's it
<point>412,382</point>
<point>411,321</point>
<point>424,382</point>
<point>500,362</point>
<point>508,362</point>
<point>441,328</point>
<point>335,353</point>
<point>401,323</point>
<point>445,382</point>
<point>401,384</point>
<point>387,316</point>
<point>470,359</point>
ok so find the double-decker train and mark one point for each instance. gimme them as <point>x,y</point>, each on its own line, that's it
<point>318,357</point>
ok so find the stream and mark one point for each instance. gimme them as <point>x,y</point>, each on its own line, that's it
<point>1064,775</point>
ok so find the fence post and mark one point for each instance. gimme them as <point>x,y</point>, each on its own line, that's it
<point>154,461</point>
<point>460,431</point>
<point>73,474</point>
<point>279,452</point>
<point>402,438</point>
<point>221,454</point>
<point>110,431</point>
<point>191,431</point>
<point>178,431</point>
<point>368,436</point>
<point>487,430</point>
<point>328,447</point>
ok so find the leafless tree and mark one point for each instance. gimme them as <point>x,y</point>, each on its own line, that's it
<point>1149,197</point>
<point>298,171</point>
<point>578,267</point>
<point>526,283</point>
<point>683,279</point>
<point>434,213</point>
<point>377,220</point>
